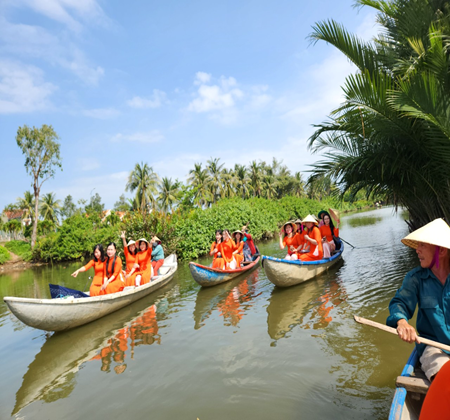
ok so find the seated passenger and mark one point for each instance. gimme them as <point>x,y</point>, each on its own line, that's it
<point>226,248</point>
<point>289,240</point>
<point>320,217</point>
<point>218,261</point>
<point>98,262</point>
<point>426,287</point>
<point>238,248</point>
<point>112,273</point>
<point>327,230</point>
<point>130,251</point>
<point>250,250</point>
<point>303,247</point>
<point>314,239</point>
<point>143,265</point>
<point>157,254</point>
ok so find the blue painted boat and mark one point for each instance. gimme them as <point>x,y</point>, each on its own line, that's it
<point>285,273</point>
<point>208,276</point>
<point>409,394</point>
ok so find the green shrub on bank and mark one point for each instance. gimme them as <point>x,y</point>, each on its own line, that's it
<point>75,239</point>
<point>188,233</point>
<point>20,248</point>
<point>4,255</point>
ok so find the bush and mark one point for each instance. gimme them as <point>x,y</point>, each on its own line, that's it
<point>4,255</point>
<point>20,248</point>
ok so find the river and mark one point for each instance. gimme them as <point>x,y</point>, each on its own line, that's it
<point>240,350</point>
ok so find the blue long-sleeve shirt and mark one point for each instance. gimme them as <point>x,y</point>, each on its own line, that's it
<point>158,253</point>
<point>421,287</point>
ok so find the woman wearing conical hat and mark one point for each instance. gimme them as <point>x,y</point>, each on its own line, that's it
<point>130,251</point>
<point>314,239</point>
<point>427,287</point>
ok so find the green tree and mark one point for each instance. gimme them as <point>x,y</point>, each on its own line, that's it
<point>27,203</point>
<point>391,136</point>
<point>13,227</point>
<point>145,182</point>
<point>168,194</point>
<point>215,178</point>
<point>50,207</point>
<point>69,208</point>
<point>243,185</point>
<point>95,204</point>
<point>41,150</point>
<point>122,204</point>
<point>256,177</point>
<point>199,179</point>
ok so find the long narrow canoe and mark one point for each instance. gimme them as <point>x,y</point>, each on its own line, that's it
<point>207,276</point>
<point>412,387</point>
<point>285,273</point>
<point>65,313</point>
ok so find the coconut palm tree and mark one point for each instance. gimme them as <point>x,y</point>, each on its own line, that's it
<point>199,179</point>
<point>215,179</point>
<point>168,194</point>
<point>256,177</point>
<point>27,203</point>
<point>229,181</point>
<point>144,181</point>
<point>243,185</point>
<point>391,136</point>
<point>49,207</point>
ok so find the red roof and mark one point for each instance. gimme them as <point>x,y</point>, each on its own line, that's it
<point>14,214</point>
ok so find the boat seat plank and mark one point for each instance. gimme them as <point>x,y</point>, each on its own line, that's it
<point>413,384</point>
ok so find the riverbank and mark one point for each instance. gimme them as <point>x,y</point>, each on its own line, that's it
<point>188,233</point>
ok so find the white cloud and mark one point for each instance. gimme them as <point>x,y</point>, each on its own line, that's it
<point>202,77</point>
<point>101,113</point>
<point>28,41</point>
<point>88,164</point>
<point>22,88</point>
<point>369,27</point>
<point>155,101</point>
<point>153,136</point>
<point>63,10</point>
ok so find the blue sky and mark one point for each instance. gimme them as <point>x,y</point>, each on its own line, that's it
<point>167,83</point>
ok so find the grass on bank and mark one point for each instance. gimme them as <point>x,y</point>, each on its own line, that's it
<point>4,255</point>
<point>21,248</point>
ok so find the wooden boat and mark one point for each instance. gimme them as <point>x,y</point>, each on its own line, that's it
<point>412,387</point>
<point>65,313</point>
<point>285,273</point>
<point>207,276</point>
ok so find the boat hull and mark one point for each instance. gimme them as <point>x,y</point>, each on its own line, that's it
<point>66,313</point>
<point>285,273</point>
<point>406,405</point>
<point>207,276</point>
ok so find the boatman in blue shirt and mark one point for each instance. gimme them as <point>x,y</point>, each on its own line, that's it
<point>427,287</point>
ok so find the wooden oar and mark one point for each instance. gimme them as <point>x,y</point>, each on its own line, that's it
<point>348,243</point>
<point>394,331</point>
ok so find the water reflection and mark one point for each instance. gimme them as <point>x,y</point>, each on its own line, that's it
<point>307,306</point>
<point>52,374</point>
<point>231,300</point>
<point>363,221</point>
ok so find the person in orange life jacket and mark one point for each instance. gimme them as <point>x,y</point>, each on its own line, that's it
<point>289,240</point>
<point>98,262</point>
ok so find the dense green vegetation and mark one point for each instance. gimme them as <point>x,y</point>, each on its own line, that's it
<point>391,136</point>
<point>189,233</point>
<point>4,255</point>
<point>20,248</point>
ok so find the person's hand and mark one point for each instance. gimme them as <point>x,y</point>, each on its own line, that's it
<point>292,248</point>
<point>324,239</point>
<point>219,255</point>
<point>123,235</point>
<point>74,274</point>
<point>307,237</point>
<point>407,332</point>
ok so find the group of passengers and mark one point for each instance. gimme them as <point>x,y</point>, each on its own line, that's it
<point>142,259</point>
<point>231,251</point>
<point>310,239</point>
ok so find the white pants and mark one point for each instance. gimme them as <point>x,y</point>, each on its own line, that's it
<point>432,360</point>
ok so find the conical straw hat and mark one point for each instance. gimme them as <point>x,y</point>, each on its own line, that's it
<point>335,215</point>
<point>143,240</point>
<point>131,242</point>
<point>436,233</point>
<point>309,219</point>
<point>293,225</point>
